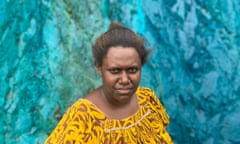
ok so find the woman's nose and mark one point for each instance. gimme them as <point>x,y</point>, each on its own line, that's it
<point>124,78</point>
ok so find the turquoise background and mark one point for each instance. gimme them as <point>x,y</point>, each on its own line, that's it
<point>46,63</point>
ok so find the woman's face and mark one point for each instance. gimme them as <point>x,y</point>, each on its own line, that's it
<point>121,72</point>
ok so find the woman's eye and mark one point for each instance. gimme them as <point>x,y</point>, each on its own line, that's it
<point>132,70</point>
<point>114,70</point>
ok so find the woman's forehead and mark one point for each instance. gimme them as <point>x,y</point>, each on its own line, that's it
<point>122,56</point>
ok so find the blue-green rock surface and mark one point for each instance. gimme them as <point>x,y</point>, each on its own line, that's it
<point>46,63</point>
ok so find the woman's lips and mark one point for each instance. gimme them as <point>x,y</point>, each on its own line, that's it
<point>123,91</point>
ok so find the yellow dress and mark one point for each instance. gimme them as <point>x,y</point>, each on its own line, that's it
<point>84,123</point>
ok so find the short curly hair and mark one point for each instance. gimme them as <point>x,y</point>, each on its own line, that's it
<point>118,35</point>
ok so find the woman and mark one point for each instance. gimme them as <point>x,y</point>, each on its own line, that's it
<point>118,112</point>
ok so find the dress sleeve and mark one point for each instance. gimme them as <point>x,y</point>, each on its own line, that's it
<point>71,127</point>
<point>159,113</point>
<point>161,109</point>
<point>58,134</point>
<point>157,106</point>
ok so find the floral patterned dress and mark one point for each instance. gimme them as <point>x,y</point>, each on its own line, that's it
<point>84,123</point>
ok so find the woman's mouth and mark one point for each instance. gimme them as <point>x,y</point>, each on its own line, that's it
<point>124,91</point>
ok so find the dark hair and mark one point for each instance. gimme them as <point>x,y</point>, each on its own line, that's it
<point>118,35</point>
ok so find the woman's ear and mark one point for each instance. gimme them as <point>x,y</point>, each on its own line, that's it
<point>99,69</point>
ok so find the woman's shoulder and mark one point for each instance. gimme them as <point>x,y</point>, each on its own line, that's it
<point>79,107</point>
<point>145,93</point>
<point>82,105</point>
<point>75,117</point>
<point>148,98</point>
<point>86,102</point>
